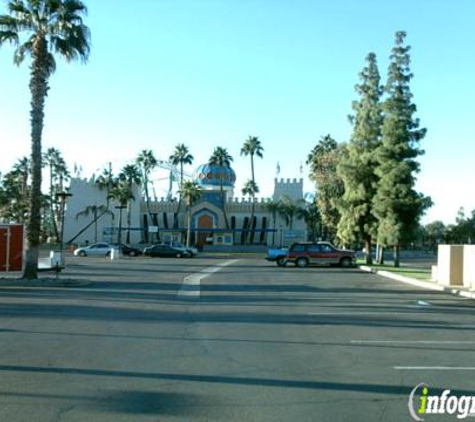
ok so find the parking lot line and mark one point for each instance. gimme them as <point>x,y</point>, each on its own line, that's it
<point>412,342</point>
<point>434,368</point>
<point>190,287</point>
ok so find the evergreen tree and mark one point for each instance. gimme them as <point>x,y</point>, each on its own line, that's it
<point>357,166</point>
<point>397,205</point>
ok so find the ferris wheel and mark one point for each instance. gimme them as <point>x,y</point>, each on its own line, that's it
<point>173,177</point>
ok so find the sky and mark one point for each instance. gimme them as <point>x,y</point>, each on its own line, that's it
<point>210,73</point>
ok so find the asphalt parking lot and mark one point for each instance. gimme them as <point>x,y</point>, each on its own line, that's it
<point>227,338</point>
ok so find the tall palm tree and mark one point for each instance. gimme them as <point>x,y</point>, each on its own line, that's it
<point>191,191</point>
<point>122,193</point>
<point>146,162</point>
<point>273,208</point>
<point>51,26</point>
<point>252,147</point>
<point>250,188</point>
<point>130,174</point>
<point>181,156</point>
<point>58,171</point>
<point>222,158</point>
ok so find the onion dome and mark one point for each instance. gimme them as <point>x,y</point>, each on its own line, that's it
<point>213,176</point>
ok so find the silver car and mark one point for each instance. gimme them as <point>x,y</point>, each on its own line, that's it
<point>96,249</point>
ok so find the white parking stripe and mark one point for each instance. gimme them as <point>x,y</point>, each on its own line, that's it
<point>434,368</point>
<point>191,284</point>
<point>412,342</point>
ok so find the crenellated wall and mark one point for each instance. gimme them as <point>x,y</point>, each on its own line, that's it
<point>293,188</point>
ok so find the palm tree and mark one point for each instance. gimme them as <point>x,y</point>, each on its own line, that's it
<point>94,210</point>
<point>191,191</point>
<point>273,208</point>
<point>122,193</point>
<point>180,156</point>
<point>310,213</point>
<point>22,168</point>
<point>51,26</point>
<point>222,158</point>
<point>130,174</point>
<point>58,171</point>
<point>252,146</point>
<point>289,210</point>
<point>146,162</point>
<point>250,188</point>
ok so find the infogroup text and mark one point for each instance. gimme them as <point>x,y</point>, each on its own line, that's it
<point>421,403</point>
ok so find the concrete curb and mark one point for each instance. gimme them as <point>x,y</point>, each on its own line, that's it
<point>419,283</point>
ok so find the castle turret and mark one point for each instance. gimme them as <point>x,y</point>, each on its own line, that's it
<point>293,188</point>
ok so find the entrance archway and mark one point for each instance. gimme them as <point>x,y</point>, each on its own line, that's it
<point>205,221</point>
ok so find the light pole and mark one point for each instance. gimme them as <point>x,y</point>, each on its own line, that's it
<point>62,197</point>
<point>119,235</point>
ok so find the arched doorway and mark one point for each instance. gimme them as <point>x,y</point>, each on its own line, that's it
<point>205,221</point>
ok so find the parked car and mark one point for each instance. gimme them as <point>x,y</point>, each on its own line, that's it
<point>190,249</point>
<point>128,250</point>
<point>303,254</point>
<point>96,249</point>
<point>166,251</point>
<point>277,255</point>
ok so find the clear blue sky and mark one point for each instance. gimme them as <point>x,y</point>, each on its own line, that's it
<point>213,72</point>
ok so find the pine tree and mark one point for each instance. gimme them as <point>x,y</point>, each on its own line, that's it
<point>357,166</point>
<point>397,205</point>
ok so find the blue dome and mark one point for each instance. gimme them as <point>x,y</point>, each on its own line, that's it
<point>213,175</point>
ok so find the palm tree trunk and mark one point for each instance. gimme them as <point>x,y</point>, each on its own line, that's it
<point>38,89</point>
<point>188,230</point>
<point>129,220</point>
<point>51,201</point>
<point>177,215</point>
<point>223,203</point>
<point>95,225</point>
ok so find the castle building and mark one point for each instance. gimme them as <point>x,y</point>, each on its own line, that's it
<point>217,218</point>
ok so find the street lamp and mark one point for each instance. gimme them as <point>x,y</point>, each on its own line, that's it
<point>62,197</point>
<point>119,235</point>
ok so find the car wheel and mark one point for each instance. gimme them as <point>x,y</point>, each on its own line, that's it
<point>178,255</point>
<point>108,254</point>
<point>281,262</point>
<point>132,253</point>
<point>82,253</point>
<point>301,262</point>
<point>345,262</point>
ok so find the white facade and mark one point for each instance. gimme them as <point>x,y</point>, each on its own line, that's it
<point>208,219</point>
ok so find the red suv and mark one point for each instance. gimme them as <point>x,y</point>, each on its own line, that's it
<point>323,253</point>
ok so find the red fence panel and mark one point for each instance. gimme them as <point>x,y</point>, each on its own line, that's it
<point>11,247</point>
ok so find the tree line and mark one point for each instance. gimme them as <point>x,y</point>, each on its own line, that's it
<point>366,187</point>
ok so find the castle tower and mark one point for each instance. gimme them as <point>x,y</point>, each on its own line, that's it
<point>293,188</point>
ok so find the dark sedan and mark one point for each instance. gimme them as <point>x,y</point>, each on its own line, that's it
<point>165,251</point>
<point>128,250</point>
